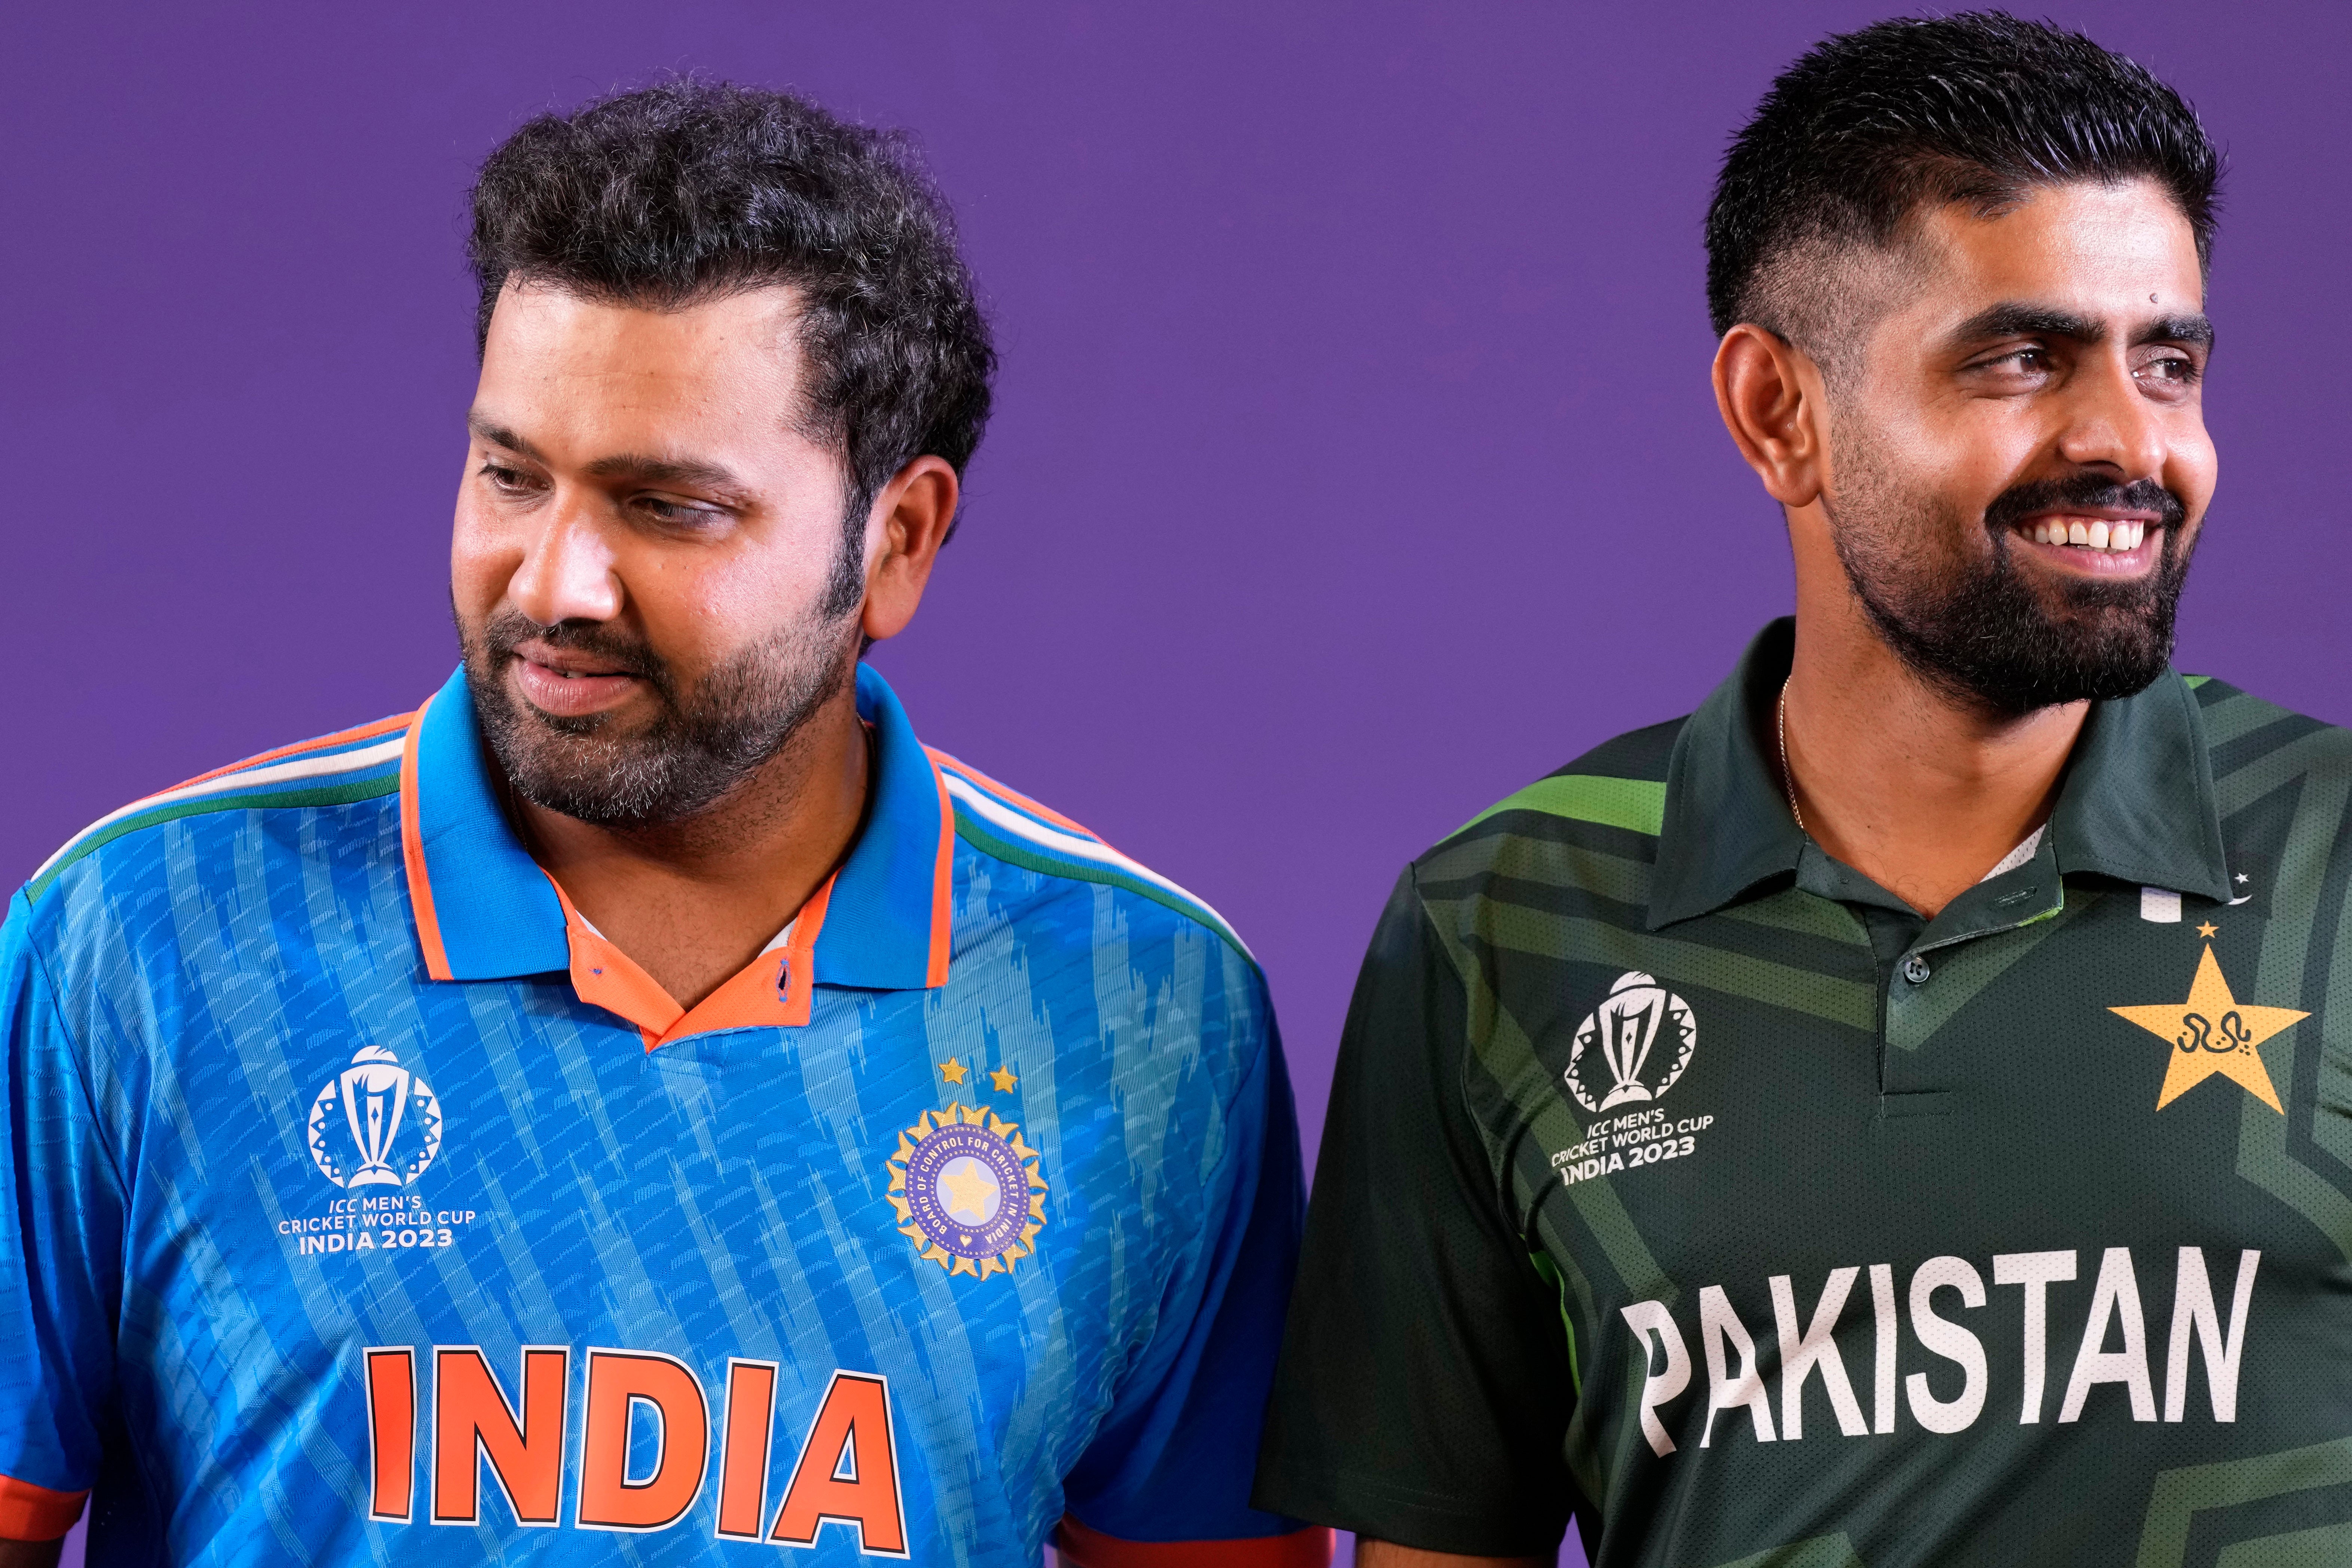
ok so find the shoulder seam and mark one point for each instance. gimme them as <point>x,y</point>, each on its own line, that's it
<point>281,779</point>
<point>1638,805</point>
<point>1019,840</point>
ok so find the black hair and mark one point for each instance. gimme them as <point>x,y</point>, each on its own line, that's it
<point>689,190</point>
<point>1979,108</point>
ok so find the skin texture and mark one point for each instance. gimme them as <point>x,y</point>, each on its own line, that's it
<point>642,471</point>
<point>1917,786</point>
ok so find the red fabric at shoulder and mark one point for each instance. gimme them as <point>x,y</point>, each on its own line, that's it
<point>28,1512</point>
<point>1082,1547</point>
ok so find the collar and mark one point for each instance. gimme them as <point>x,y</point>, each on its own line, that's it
<point>2137,803</point>
<point>484,910</point>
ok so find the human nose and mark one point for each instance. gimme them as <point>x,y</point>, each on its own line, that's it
<point>2115,426</point>
<point>567,572</point>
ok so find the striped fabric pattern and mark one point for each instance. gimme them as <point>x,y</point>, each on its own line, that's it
<point>189,974</point>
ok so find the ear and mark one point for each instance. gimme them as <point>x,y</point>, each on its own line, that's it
<point>909,522</point>
<point>1770,395</point>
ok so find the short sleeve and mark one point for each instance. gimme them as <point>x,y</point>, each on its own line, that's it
<point>1165,1481</point>
<point>59,1252</point>
<point>1425,1389</point>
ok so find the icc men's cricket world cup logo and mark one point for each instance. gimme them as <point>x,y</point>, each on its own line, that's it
<point>1633,1047</point>
<point>376,1124</point>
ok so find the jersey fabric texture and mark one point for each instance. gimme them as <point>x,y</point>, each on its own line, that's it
<point>365,1206</point>
<point>1678,1176</point>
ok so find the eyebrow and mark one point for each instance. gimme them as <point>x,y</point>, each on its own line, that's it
<point>2011,320</point>
<point>697,472</point>
<point>487,429</point>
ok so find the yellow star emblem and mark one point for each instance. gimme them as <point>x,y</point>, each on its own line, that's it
<point>2213,1032</point>
<point>2209,931</point>
<point>971,1193</point>
<point>1004,1080</point>
<point>953,1070</point>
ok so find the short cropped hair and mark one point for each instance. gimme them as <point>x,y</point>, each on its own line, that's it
<point>688,189</point>
<point>1870,126</point>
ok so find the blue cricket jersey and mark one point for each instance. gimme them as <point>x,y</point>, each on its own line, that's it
<point>365,1206</point>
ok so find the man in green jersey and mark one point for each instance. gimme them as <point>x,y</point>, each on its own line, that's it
<point>1901,1113</point>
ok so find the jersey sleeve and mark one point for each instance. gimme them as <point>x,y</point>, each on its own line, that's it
<point>1425,1387</point>
<point>1165,1481</point>
<point>59,1252</point>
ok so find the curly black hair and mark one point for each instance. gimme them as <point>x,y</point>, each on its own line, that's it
<point>687,190</point>
<point>1978,108</point>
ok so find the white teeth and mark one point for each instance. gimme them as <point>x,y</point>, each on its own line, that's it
<point>2091,535</point>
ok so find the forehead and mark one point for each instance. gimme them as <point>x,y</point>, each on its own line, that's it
<point>599,370</point>
<point>2106,251</point>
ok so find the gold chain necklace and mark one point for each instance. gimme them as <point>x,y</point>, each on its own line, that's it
<point>1787,779</point>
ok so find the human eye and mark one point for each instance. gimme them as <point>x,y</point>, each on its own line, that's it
<point>506,478</point>
<point>670,513</point>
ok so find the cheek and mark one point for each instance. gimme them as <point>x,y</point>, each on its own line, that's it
<point>481,562</point>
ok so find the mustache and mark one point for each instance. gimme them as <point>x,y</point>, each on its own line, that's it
<point>2087,490</point>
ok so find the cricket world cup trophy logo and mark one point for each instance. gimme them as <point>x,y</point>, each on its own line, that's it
<point>1633,1047</point>
<point>375,1124</point>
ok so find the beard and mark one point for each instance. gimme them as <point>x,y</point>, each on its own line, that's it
<point>1979,628</point>
<point>708,738</point>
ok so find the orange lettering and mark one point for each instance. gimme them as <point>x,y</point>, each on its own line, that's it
<point>848,1471</point>
<point>618,1382</point>
<point>743,1468</point>
<point>471,1420</point>
<point>391,1433</point>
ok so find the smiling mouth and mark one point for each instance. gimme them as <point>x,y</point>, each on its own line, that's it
<point>2085,533</point>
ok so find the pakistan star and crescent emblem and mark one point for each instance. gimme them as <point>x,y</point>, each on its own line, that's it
<point>2213,1032</point>
<point>967,1190</point>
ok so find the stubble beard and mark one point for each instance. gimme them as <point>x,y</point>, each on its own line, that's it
<point>1974,626</point>
<point>704,742</point>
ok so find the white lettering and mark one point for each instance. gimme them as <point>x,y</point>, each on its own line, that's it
<point>1716,1323</point>
<point>2192,1305</point>
<point>2116,1295</point>
<point>1949,1339</point>
<point>1818,1348</point>
<point>2037,1271</point>
<point>1882,1305</point>
<point>1647,1318</point>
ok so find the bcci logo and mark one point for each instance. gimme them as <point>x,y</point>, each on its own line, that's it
<point>967,1190</point>
<point>1633,1047</point>
<point>376,1124</point>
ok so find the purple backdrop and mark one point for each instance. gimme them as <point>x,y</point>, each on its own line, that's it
<point>1355,461</point>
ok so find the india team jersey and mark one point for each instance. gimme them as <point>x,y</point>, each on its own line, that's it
<point>1681,1177</point>
<point>365,1206</point>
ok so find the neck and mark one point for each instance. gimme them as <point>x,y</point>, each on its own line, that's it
<point>694,902</point>
<point>1920,790</point>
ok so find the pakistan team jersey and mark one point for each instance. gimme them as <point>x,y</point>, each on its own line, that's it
<point>364,1205</point>
<point>1678,1175</point>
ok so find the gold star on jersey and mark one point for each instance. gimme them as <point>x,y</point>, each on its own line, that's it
<point>2213,1032</point>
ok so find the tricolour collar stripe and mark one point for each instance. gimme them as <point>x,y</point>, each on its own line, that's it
<point>412,851</point>
<point>1089,851</point>
<point>1006,795</point>
<point>227,785</point>
<point>324,745</point>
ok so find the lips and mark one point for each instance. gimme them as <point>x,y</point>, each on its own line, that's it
<point>567,684</point>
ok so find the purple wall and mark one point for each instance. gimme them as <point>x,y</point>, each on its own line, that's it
<point>1356,461</point>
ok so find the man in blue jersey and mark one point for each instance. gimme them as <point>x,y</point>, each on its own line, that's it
<point>643,1106</point>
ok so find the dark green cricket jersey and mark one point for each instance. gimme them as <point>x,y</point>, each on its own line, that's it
<point>1680,1176</point>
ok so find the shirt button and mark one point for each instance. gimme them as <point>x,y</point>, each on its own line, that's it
<point>1916,970</point>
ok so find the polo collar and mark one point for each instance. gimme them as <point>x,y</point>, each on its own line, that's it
<point>485,909</point>
<point>2136,804</point>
